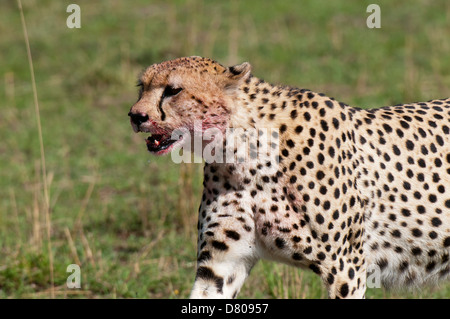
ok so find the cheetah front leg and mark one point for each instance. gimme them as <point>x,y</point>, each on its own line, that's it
<point>226,254</point>
<point>346,279</point>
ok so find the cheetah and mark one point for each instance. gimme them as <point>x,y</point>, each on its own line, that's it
<point>348,189</point>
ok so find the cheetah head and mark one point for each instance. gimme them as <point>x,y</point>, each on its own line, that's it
<point>190,94</point>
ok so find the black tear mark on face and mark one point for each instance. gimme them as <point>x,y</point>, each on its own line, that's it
<point>169,91</point>
<point>163,115</point>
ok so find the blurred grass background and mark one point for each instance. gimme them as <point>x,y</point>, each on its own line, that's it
<point>127,218</point>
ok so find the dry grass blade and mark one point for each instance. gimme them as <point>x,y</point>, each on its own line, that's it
<point>72,247</point>
<point>41,146</point>
<point>87,249</point>
<point>87,197</point>
<point>12,195</point>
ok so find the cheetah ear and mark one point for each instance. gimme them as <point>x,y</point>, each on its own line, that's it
<point>234,75</point>
<point>237,72</point>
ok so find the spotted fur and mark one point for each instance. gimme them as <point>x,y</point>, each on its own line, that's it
<point>351,188</point>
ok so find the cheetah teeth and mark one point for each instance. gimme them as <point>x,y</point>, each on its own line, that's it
<point>156,142</point>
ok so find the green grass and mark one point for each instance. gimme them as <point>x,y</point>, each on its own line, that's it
<point>132,217</point>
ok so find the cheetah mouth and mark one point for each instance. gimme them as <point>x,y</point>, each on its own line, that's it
<point>159,144</point>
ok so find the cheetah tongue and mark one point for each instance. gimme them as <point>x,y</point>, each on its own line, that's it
<point>157,142</point>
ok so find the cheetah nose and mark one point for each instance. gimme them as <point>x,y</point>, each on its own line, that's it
<point>138,118</point>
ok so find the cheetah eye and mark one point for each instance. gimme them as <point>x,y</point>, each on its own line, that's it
<point>171,91</point>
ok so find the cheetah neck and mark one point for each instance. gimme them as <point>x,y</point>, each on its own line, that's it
<point>249,132</point>
<point>253,96</point>
<point>283,115</point>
